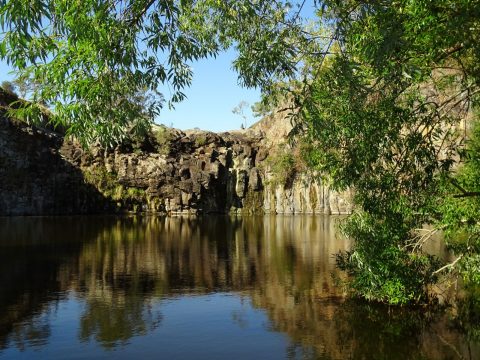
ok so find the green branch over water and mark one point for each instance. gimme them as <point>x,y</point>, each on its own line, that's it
<point>392,114</point>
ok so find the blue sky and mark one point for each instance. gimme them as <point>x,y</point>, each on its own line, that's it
<point>211,97</point>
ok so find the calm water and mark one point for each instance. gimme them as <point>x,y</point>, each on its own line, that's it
<point>207,288</point>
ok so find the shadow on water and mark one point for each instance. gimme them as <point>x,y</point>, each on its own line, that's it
<point>122,273</point>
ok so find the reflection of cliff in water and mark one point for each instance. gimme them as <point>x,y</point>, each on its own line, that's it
<point>121,267</point>
<point>180,254</point>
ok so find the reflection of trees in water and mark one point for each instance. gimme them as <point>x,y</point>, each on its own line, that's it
<point>360,331</point>
<point>33,334</point>
<point>115,322</point>
<point>284,260</point>
<point>122,268</point>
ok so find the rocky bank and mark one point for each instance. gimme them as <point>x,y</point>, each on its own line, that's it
<point>171,172</point>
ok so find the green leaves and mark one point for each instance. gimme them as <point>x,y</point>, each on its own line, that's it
<point>386,114</point>
<point>460,208</point>
<point>91,57</point>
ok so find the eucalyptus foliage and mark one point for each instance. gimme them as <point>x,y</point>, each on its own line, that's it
<point>101,63</point>
<point>390,113</point>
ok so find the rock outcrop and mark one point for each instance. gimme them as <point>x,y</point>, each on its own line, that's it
<point>172,172</point>
<point>35,179</point>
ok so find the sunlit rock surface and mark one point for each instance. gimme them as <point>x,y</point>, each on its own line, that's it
<point>171,172</point>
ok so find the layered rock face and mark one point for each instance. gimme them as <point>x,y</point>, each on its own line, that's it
<point>205,173</point>
<point>175,173</point>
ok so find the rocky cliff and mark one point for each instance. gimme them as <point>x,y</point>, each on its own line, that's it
<point>35,179</point>
<point>171,171</point>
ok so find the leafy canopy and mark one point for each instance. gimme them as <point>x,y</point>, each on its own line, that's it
<point>95,59</point>
<point>390,113</point>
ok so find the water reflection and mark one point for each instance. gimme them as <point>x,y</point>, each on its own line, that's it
<point>120,276</point>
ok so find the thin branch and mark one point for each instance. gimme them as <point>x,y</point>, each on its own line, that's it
<point>451,51</point>
<point>448,266</point>
<point>299,11</point>
<point>419,240</point>
<point>137,17</point>
<point>455,183</point>
<point>467,194</point>
<point>454,349</point>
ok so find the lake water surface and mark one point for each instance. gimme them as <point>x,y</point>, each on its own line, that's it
<point>196,288</point>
